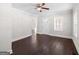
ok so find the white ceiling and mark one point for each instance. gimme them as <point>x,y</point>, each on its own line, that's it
<point>54,7</point>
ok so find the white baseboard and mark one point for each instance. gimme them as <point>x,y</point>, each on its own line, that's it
<point>6,52</point>
<point>58,35</point>
<point>21,37</point>
<point>69,37</point>
<point>41,33</point>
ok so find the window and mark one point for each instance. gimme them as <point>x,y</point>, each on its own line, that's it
<point>58,23</point>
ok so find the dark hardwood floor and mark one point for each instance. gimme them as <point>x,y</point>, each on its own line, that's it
<point>44,45</point>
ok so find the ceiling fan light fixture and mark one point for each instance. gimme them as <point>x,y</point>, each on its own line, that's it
<point>38,9</point>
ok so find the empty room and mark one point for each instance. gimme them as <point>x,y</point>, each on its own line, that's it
<point>39,28</point>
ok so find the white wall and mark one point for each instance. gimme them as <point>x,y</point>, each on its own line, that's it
<point>46,24</point>
<point>14,24</point>
<point>5,27</point>
<point>76,26</point>
<point>22,24</point>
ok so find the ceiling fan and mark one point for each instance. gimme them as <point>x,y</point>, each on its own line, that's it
<point>41,6</point>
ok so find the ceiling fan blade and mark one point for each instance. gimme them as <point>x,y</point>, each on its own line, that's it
<point>38,6</point>
<point>43,4</point>
<point>45,8</point>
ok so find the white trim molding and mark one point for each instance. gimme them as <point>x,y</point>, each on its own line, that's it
<point>21,38</point>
